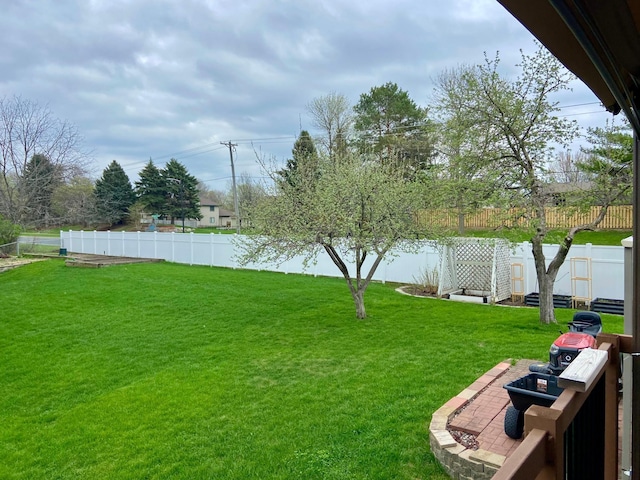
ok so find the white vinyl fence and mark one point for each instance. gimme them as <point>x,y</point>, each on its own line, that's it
<point>219,250</point>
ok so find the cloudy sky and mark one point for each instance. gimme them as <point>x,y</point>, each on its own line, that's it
<point>160,79</point>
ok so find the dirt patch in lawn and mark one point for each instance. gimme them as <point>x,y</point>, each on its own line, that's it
<point>97,261</point>
<point>7,263</point>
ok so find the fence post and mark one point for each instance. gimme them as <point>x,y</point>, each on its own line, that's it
<point>212,250</point>
<point>190,248</point>
<point>384,271</point>
<point>612,373</point>
<point>526,251</point>
<point>546,419</point>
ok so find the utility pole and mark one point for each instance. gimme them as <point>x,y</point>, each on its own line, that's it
<point>180,197</point>
<point>233,178</point>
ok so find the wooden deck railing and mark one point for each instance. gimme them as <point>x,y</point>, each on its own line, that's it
<point>578,433</point>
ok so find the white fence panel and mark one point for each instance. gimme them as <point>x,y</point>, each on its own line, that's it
<point>607,263</point>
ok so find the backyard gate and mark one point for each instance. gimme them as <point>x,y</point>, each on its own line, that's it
<point>478,267</point>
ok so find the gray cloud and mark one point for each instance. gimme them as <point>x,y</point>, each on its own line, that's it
<point>147,79</point>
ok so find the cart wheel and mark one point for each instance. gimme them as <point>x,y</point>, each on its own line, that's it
<point>514,422</point>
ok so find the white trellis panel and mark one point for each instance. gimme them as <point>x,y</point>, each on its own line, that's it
<point>477,266</point>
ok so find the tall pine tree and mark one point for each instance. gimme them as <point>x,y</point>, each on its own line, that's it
<point>182,192</point>
<point>114,194</point>
<point>391,125</point>
<point>305,158</point>
<point>40,179</point>
<point>151,190</point>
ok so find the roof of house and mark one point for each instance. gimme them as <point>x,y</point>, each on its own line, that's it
<point>558,187</point>
<point>226,213</point>
<point>206,201</point>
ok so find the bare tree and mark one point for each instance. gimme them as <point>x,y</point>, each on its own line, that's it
<point>74,203</point>
<point>250,192</point>
<point>29,130</point>
<point>463,146</point>
<point>565,167</point>
<point>332,115</point>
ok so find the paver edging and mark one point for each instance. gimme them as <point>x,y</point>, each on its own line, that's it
<point>457,460</point>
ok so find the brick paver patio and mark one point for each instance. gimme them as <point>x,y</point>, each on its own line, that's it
<point>484,416</point>
<point>467,432</point>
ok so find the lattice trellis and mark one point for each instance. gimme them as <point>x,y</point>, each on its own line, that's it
<point>478,266</point>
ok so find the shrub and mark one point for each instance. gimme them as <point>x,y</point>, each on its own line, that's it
<point>9,233</point>
<point>427,281</point>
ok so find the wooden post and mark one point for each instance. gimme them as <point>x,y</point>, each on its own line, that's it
<point>612,344</point>
<point>543,418</point>
<point>527,462</point>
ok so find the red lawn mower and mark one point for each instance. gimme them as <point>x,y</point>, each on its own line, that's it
<point>540,387</point>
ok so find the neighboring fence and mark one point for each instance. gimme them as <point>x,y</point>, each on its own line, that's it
<point>9,248</point>
<point>607,263</point>
<point>618,217</point>
<point>36,244</point>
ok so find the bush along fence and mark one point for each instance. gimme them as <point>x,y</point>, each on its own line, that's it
<point>606,262</point>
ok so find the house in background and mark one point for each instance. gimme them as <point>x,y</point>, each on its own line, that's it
<point>557,192</point>
<point>213,215</point>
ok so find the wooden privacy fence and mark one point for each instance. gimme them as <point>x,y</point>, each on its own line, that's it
<point>618,217</point>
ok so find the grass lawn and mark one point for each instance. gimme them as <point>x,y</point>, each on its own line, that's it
<point>170,371</point>
<point>599,237</point>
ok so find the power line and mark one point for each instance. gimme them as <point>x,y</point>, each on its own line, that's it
<point>251,140</point>
<point>580,105</point>
<point>584,113</point>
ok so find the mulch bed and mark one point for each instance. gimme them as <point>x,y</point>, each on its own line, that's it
<point>418,291</point>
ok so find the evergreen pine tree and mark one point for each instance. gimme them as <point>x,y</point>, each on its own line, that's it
<point>114,194</point>
<point>151,189</point>
<point>37,184</point>
<point>304,157</point>
<point>183,201</point>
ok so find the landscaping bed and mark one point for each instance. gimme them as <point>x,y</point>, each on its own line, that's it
<point>607,305</point>
<point>559,301</point>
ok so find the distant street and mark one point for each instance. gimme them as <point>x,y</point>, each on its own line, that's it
<point>37,240</point>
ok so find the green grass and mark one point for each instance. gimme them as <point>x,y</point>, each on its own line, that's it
<point>599,237</point>
<point>169,371</point>
<point>224,231</point>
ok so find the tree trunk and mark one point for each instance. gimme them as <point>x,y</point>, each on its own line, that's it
<point>460,222</point>
<point>545,283</point>
<point>547,276</point>
<point>359,286</point>
<point>547,313</point>
<point>358,299</point>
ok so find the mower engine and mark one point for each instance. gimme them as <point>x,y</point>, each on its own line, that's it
<point>566,348</point>
<point>582,334</point>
